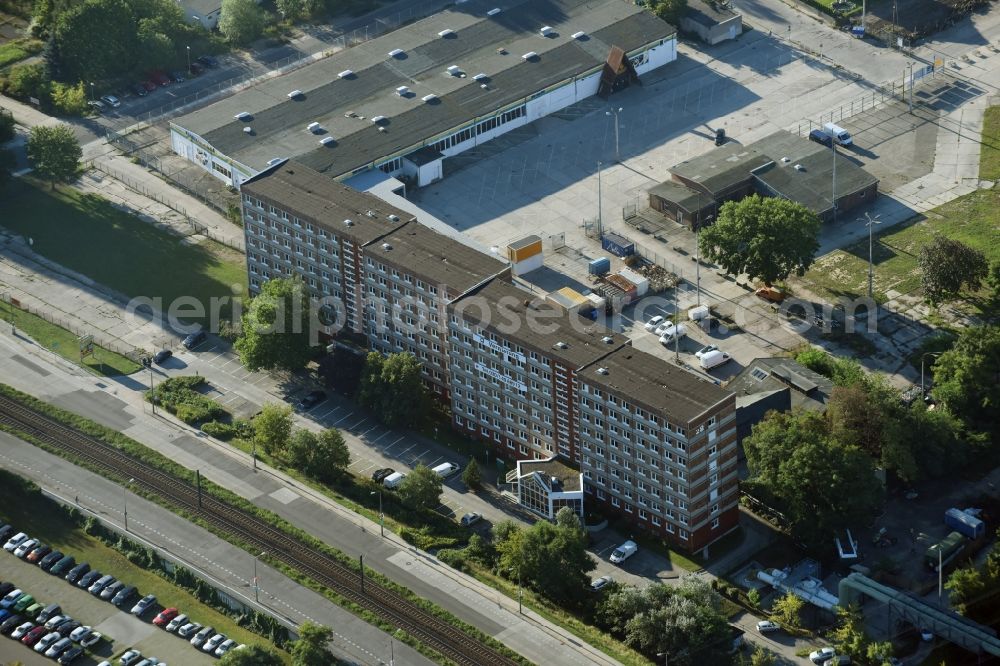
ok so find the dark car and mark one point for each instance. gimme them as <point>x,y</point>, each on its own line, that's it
<point>378,476</point>
<point>6,532</point>
<point>208,61</point>
<point>196,68</point>
<point>720,136</point>
<point>88,579</point>
<point>195,339</point>
<point>150,86</point>
<point>67,628</point>
<point>49,560</point>
<point>139,90</point>
<point>162,356</point>
<point>11,623</point>
<point>77,572</point>
<point>48,613</point>
<point>159,78</point>
<point>312,399</point>
<point>69,655</point>
<point>177,76</point>
<point>63,565</point>
<point>821,137</point>
<point>36,555</point>
<point>123,595</point>
<point>5,589</point>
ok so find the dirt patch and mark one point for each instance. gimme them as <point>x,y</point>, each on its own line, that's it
<point>11,27</point>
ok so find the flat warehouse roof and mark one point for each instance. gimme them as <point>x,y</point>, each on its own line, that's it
<point>344,107</point>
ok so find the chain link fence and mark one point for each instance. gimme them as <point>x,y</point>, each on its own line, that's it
<point>194,226</point>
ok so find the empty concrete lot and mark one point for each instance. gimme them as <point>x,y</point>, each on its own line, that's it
<point>122,630</point>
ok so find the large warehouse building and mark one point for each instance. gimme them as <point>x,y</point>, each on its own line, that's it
<point>647,440</point>
<point>406,101</point>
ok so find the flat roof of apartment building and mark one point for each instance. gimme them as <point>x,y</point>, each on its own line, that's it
<point>567,478</point>
<point>312,196</point>
<point>526,320</point>
<point>655,383</point>
<point>462,64</point>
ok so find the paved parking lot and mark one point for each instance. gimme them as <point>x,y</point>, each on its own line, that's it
<point>121,629</point>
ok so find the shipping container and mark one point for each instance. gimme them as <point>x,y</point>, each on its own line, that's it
<point>599,266</point>
<point>965,523</point>
<point>618,245</point>
<point>944,551</point>
<point>640,281</point>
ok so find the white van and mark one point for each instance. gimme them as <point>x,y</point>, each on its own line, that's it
<point>444,470</point>
<point>393,480</point>
<point>623,552</point>
<point>713,359</point>
<point>838,134</point>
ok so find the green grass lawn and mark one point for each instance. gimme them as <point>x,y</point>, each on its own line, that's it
<point>65,343</point>
<point>989,152</point>
<point>972,219</point>
<point>87,234</point>
<point>19,49</point>
<point>42,519</point>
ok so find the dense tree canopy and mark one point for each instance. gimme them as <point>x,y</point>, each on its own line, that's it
<point>310,649</point>
<point>275,329</point>
<point>768,238</point>
<point>821,485</point>
<point>241,21</point>
<point>392,388</point>
<point>967,377</point>
<point>272,428</point>
<point>684,622</point>
<point>54,153</point>
<point>947,266</point>
<point>421,488</point>
<point>251,655</point>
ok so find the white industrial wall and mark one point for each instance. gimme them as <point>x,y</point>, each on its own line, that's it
<point>189,150</point>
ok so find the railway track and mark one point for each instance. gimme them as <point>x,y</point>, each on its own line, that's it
<point>387,604</point>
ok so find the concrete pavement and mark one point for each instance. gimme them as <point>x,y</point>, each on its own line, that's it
<point>183,542</point>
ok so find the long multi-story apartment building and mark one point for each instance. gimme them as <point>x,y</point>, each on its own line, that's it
<point>652,441</point>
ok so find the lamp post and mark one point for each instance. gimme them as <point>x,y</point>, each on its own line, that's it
<point>125,502</point>
<point>520,591</point>
<point>92,98</point>
<point>615,112</point>
<point>189,59</point>
<point>152,391</point>
<point>381,516</point>
<point>923,391</point>
<point>872,221</point>
<point>256,583</point>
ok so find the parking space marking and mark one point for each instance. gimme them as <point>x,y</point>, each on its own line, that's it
<point>403,452</point>
<point>327,413</point>
<point>416,459</point>
<point>343,419</point>
<point>401,438</point>
<point>357,424</point>
<point>372,442</point>
<point>433,462</point>
<point>374,427</point>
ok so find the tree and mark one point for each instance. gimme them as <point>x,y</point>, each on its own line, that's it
<point>421,488</point>
<point>787,610</point>
<point>948,265</point>
<point>684,622</point>
<point>299,449</point>
<point>391,386</point>
<point>276,331</point>
<point>759,657</point>
<point>753,596</point>
<point>993,279</point>
<point>767,238</point>
<point>471,476</point>
<point>341,370</point>
<point>251,655</point>
<point>272,428</point>
<point>310,649</point>
<point>821,485</point>
<point>849,635</point>
<point>7,163</point>
<point>330,456</point>
<point>964,585</point>
<point>967,377</point>
<point>879,653</point>
<point>70,100</point>
<point>671,11</point>
<point>54,152</point>
<point>290,10</point>
<point>6,127</point>
<point>26,81</point>
<point>241,21</point>
<point>550,558</point>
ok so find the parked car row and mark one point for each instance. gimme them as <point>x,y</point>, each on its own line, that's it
<point>157,79</point>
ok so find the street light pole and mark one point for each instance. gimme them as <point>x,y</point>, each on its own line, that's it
<point>600,217</point>
<point>92,98</point>
<point>189,59</point>
<point>256,583</point>
<point>381,516</point>
<point>152,391</point>
<point>615,113</point>
<point>872,221</point>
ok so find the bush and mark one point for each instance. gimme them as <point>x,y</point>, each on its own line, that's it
<point>453,558</point>
<point>223,431</point>
<point>178,396</point>
<point>70,100</point>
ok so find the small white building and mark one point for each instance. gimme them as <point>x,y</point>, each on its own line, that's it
<point>545,486</point>
<point>712,21</point>
<point>205,12</point>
